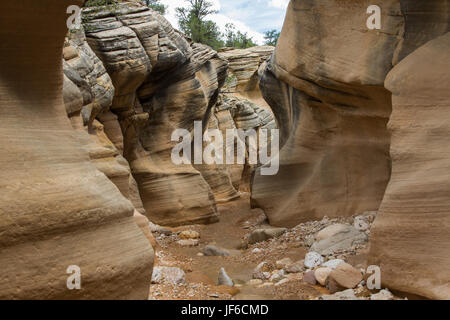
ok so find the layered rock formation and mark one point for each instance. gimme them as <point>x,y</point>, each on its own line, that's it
<point>244,64</point>
<point>57,210</point>
<point>411,236</point>
<point>326,86</point>
<point>162,83</point>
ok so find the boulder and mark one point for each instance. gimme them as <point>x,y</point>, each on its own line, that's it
<point>344,276</point>
<point>259,235</point>
<point>321,275</point>
<point>211,250</point>
<point>338,238</point>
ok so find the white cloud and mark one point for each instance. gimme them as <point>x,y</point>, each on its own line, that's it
<point>236,16</point>
<point>281,4</point>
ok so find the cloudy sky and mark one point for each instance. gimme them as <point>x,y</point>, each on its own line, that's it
<point>251,16</point>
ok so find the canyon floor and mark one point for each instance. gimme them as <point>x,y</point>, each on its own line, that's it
<point>237,221</point>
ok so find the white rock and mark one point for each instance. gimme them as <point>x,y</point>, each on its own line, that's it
<point>256,250</point>
<point>188,242</point>
<point>277,276</point>
<point>224,278</point>
<point>313,259</point>
<point>171,275</point>
<point>348,294</point>
<point>332,264</point>
<point>254,282</point>
<point>384,294</point>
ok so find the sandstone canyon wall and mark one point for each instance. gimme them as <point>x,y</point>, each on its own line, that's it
<point>164,82</point>
<point>411,236</point>
<point>57,209</point>
<point>326,86</point>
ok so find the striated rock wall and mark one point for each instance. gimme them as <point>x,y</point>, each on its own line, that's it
<point>410,240</point>
<point>244,64</point>
<point>56,208</point>
<point>332,110</point>
<point>326,86</point>
<point>162,83</point>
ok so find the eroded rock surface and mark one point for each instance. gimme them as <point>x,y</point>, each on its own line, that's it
<point>244,64</point>
<point>162,83</point>
<point>330,91</point>
<point>412,230</point>
<point>57,209</point>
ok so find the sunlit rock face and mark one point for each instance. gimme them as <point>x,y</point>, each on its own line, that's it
<point>329,89</point>
<point>57,209</point>
<point>88,94</point>
<point>325,86</point>
<point>411,236</point>
<point>244,64</point>
<point>162,82</point>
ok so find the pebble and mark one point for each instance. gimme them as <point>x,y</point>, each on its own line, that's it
<point>309,240</point>
<point>256,250</point>
<point>189,234</point>
<point>188,242</point>
<point>171,275</point>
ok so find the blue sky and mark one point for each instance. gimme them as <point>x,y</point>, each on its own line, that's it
<point>251,16</point>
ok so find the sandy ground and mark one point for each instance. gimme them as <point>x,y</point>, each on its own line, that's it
<point>237,219</point>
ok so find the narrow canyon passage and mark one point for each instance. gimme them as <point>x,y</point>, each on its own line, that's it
<point>358,205</point>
